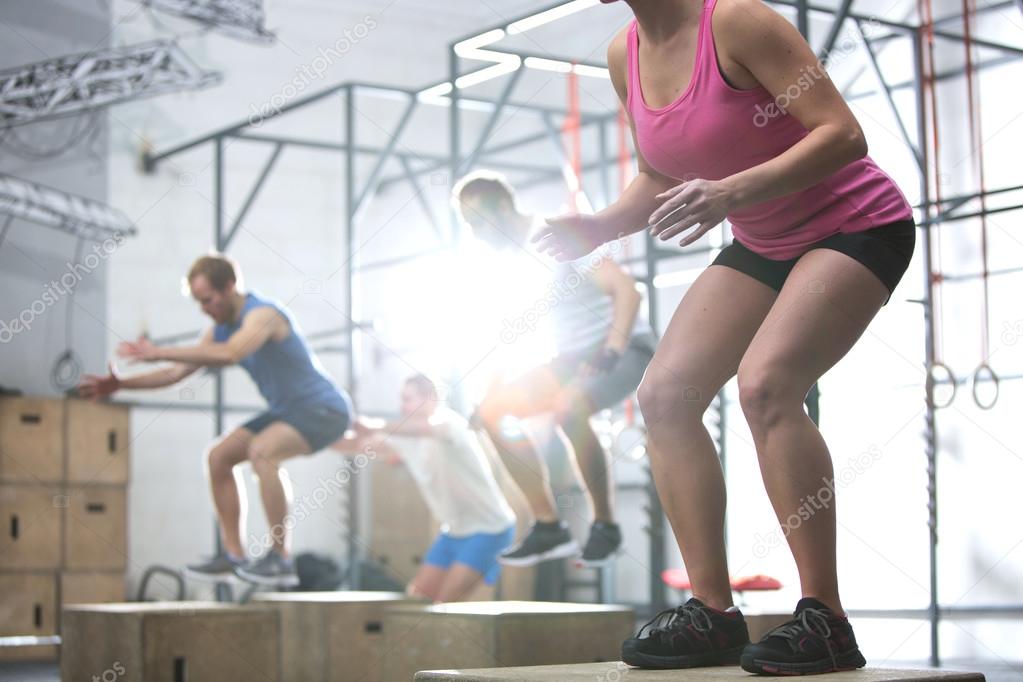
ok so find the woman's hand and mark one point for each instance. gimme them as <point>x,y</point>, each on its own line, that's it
<point>141,350</point>
<point>696,203</point>
<point>96,387</point>
<point>570,236</point>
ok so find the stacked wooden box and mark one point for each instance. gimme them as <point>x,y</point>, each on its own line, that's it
<point>63,512</point>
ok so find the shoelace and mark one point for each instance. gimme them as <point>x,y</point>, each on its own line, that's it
<point>674,619</point>
<point>811,620</point>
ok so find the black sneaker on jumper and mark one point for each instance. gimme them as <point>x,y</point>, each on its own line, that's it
<point>603,544</point>
<point>817,640</point>
<point>690,636</point>
<point>545,541</point>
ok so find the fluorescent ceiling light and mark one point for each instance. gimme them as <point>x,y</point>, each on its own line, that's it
<point>592,71</point>
<point>493,71</point>
<point>469,46</point>
<point>523,25</point>
<point>560,66</point>
<point>541,64</point>
<point>435,92</point>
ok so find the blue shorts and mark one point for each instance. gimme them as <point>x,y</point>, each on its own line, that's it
<point>320,425</point>
<point>478,551</point>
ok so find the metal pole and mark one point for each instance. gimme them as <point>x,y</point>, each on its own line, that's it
<point>803,18</point>
<point>930,430</point>
<point>218,240</point>
<point>222,590</point>
<point>454,123</point>
<point>605,166</point>
<point>354,555</point>
<point>658,560</point>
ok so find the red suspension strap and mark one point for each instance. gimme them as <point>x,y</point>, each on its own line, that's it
<point>977,156</point>
<point>572,130</point>
<point>929,84</point>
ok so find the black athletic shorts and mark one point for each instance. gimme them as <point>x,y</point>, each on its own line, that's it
<point>885,250</point>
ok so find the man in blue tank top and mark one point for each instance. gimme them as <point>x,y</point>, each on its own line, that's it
<point>306,410</point>
<point>602,347</point>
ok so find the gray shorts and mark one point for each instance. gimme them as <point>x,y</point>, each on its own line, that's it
<point>607,389</point>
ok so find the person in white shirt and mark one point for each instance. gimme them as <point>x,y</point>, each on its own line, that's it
<point>454,475</point>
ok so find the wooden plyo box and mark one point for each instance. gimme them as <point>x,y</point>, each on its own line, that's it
<point>98,441</point>
<point>169,641</point>
<point>91,587</point>
<point>331,636</point>
<point>613,672</point>
<point>28,607</point>
<point>401,529</point>
<point>30,526</point>
<point>489,634</point>
<point>96,531</point>
<point>31,440</point>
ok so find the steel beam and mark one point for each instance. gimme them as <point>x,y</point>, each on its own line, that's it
<point>253,193</point>
<point>385,156</point>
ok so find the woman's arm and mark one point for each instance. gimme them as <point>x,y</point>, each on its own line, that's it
<point>771,50</point>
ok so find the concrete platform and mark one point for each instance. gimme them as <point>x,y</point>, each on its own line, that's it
<point>618,671</point>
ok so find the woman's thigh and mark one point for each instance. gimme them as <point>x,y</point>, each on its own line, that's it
<point>705,340</point>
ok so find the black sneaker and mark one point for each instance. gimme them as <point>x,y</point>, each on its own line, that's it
<point>545,541</point>
<point>603,544</point>
<point>817,640</point>
<point>690,636</point>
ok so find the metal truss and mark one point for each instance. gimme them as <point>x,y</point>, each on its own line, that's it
<point>82,217</point>
<point>236,18</point>
<point>76,83</point>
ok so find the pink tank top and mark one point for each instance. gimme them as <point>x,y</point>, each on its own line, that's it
<point>714,130</point>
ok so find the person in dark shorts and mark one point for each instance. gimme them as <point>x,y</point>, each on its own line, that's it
<point>733,115</point>
<point>602,345</point>
<point>306,410</point>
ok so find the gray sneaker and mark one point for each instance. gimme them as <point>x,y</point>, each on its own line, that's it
<point>270,569</point>
<point>216,569</point>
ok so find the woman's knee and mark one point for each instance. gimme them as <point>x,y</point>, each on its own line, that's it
<point>766,394</point>
<point>666,395</point>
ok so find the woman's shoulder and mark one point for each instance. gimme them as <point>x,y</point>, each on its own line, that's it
<point>744,19</point>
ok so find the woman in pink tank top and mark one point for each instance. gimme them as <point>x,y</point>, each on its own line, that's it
<point>733,116</point>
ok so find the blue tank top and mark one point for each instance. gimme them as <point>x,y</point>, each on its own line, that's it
<point>286,372</point>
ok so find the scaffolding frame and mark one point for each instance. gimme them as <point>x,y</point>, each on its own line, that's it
<point>458,162</point>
